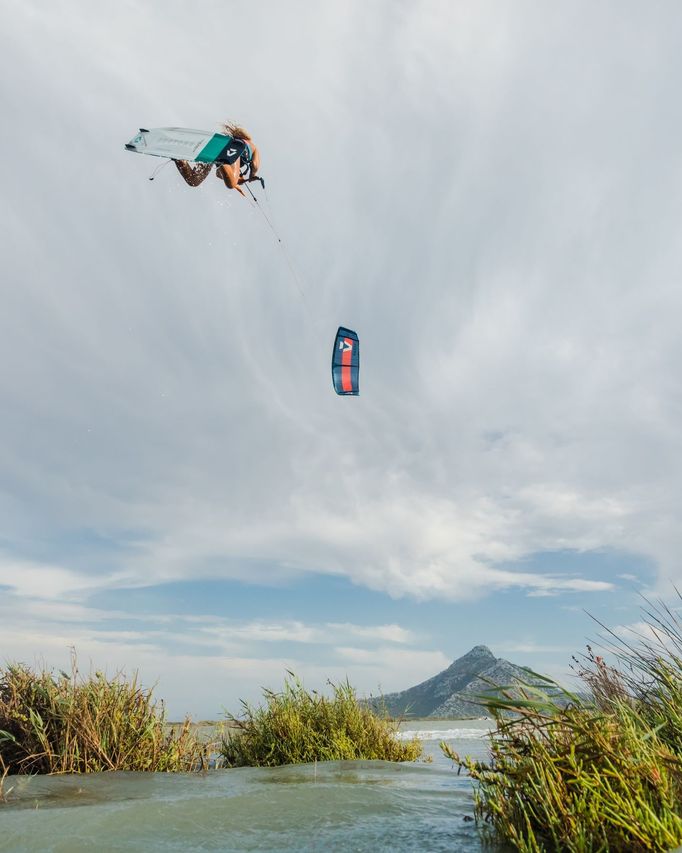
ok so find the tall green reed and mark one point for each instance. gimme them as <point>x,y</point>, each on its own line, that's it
<point>69,724</point>
<point>594,772</point>
<point>297,726</point>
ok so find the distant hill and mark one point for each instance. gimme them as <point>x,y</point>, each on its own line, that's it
<point>450,693</point>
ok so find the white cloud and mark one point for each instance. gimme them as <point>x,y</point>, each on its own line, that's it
<point>295,631</point>
<point>663,637</point>
<point>175,649</point>
<point>390,633</point>
<point>49,581</point>
<point>530,647</point>
<point>388,669</point>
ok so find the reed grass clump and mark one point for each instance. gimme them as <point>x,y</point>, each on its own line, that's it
<point>69,724</point>
<point>298,726</point>
<point>600,771</point>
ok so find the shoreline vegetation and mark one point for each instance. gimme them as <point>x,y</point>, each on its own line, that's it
<point>70,724</point>
<point>298,726</point>
<point>599,771</point>
<point>67,723</point>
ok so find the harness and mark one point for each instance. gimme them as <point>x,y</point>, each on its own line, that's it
<point>239,149</point>
<point>246,157</point>
<point>234,150</point>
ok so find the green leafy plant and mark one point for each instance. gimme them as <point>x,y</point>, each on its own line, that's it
<point>69,724</point>
<point>296,726</point>
<point>594,772</point>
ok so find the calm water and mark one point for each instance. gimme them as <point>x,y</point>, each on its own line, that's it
<point>359,806</point>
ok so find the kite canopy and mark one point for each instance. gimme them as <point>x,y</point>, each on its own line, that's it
<point>346,363</point>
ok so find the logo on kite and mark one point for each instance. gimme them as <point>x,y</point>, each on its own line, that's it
<point>346,363</point>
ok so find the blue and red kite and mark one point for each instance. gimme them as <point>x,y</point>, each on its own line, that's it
<point>346,363</point>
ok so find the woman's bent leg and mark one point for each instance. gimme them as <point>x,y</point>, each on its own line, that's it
<point>193,175</point>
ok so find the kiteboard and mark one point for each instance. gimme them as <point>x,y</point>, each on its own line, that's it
<point>183,143</point>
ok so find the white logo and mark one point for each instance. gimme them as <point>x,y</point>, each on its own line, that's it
<point>345,345</point>
<point>231,151</point>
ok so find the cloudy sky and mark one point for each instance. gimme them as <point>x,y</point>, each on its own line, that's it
<point>490,193</point>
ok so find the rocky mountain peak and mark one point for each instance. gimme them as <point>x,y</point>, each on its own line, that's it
<point>478,653</point>
<point>454,692</point>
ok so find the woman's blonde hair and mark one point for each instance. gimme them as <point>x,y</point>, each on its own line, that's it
<point>235,131</point>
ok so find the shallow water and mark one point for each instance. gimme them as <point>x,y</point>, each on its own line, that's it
<point>341,805</point>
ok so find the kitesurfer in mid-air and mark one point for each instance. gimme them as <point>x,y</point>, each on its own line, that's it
<point>243,170</point>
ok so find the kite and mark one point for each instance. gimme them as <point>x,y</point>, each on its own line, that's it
<point>346,363</point>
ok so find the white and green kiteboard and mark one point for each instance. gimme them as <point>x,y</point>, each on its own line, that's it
<point>182,143</point>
